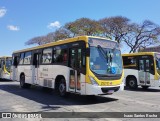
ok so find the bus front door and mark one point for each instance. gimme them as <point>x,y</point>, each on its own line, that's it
<point>144,71</point>
<point>35,68</point>
<point>76,77</point>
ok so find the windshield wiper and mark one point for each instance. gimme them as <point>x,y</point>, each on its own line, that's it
<point>105,55</point>
<point>102,52</point>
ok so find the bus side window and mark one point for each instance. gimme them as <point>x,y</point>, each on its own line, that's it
<point>27,58</point>
<point>58,56</point>
<point>15,61</point>
<point>129,61</point>
<point>152,64</point>
<point>47,56</point>
<point>82,59</point>
<point>72,63</point>
<point>61,56</point>
<point>21,58</point>
<point>65,55</point>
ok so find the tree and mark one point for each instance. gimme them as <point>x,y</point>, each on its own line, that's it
<point>115,27</point>
<point>41,39</point>
<point>51,37</point>
<point>143,35</point>
<point>84,26</point>
<point>61,34</point>
<point>36,40</point>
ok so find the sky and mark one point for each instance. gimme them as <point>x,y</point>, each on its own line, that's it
<point>21,20</point>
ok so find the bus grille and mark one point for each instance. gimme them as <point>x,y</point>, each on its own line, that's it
<point>49,83</point>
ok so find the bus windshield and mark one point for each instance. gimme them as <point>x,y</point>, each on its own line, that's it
<point>105,58</point>
<point>8,64</point>
<point>158,63</point>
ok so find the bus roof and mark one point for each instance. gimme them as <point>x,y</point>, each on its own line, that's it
<point>59,42</point>
<point>139,53</point>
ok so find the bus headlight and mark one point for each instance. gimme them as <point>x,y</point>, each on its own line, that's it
<point>93,81</point>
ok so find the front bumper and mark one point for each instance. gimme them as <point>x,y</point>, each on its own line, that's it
<point>102,90</point>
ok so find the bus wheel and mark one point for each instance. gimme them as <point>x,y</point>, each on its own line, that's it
<point>132,83</point>
<point>22,82</point>
<point>145,87</point>
<point>62,88</point>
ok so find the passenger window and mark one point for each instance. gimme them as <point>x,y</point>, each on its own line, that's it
<point>61,56</point>
<point>73,58</point>
<point>21,58</point>
<point>47,56</point>
<point>129,61</point>
<point>27,58</point>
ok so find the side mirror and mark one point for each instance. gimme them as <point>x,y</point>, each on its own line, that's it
<point>0,66</point>
<point>88,52</point>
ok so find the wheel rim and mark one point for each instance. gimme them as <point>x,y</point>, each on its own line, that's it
<point>62,88</point>
<point>132,83</point>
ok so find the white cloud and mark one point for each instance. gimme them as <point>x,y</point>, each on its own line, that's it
<point>2,12</point>
<point>55,24</point>
<point>13,28</point>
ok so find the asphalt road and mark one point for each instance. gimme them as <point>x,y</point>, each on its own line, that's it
<point>36,99</point>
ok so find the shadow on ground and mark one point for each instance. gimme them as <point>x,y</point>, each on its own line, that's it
<point>5,80</point>
<point>49,98</point>
<point>150,89</point>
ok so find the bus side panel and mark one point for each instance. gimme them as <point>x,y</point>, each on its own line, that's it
<point>14,73</point>
<point>48,73</point>
<point>154,83</point>
<point>129,72</point>
<point>138,75</point>
<point>12,76</point>
<point>20,70</point>
<point>28,73</point>
<point>83,84</point>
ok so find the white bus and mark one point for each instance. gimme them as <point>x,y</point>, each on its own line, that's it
<point>142,69</point>
<point>5,65</point>
<point>84,65</point>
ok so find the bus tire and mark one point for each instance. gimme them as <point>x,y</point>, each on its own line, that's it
<point>145,87</point>
<point>62,88</point>
<point>132,83</point>
<point>22,82</point>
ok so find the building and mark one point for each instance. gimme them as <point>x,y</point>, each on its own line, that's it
<point>150,49</point>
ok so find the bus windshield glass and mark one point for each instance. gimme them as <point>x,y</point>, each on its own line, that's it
<point>8,64</point>
<point>105,57</point>
<point>158,63</point>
